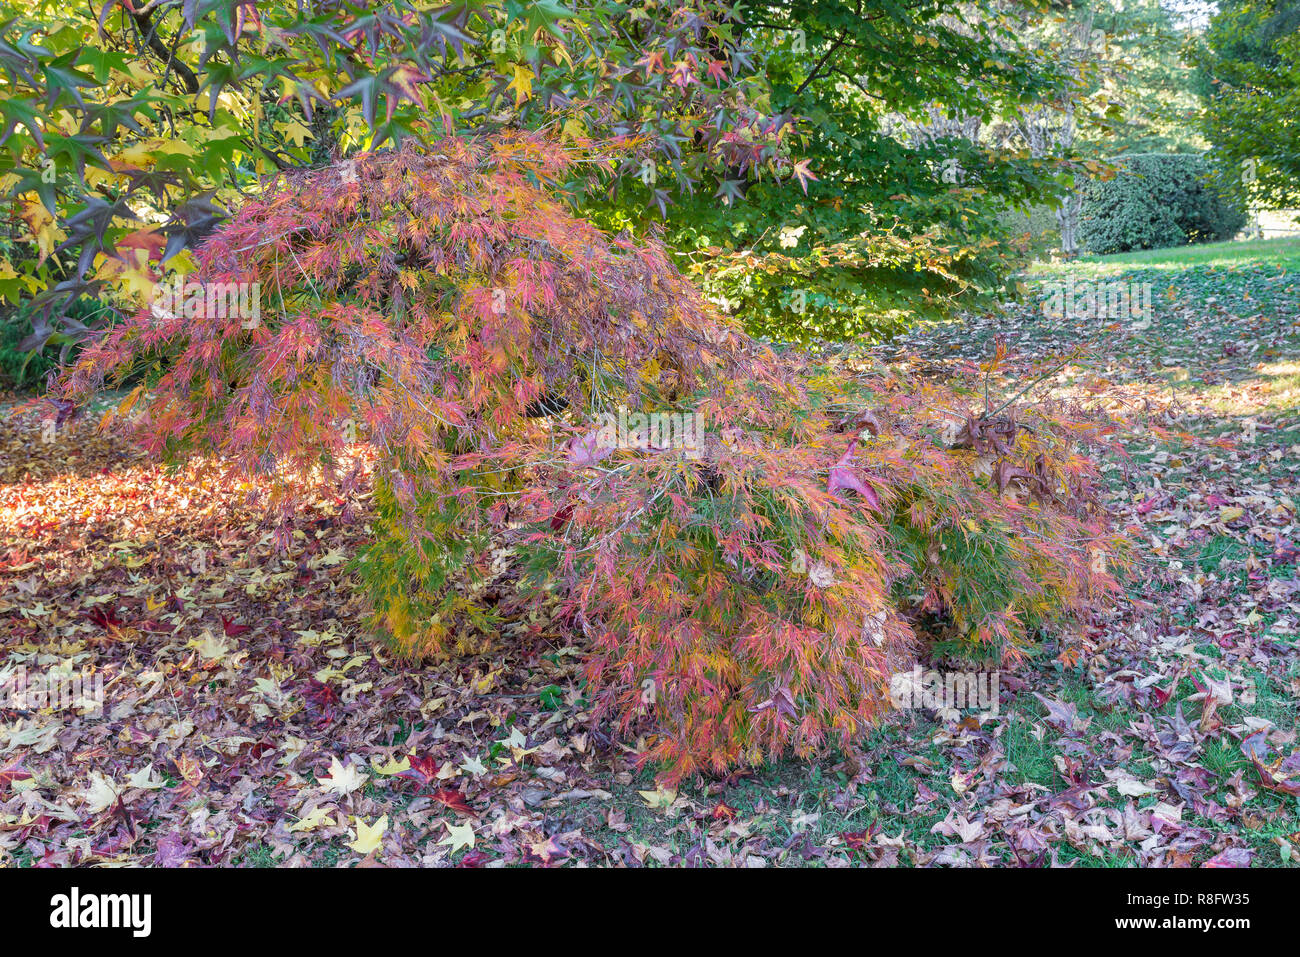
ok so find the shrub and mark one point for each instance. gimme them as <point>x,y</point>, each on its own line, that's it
<point>743,594</point>
<point>1156,200</point>
<point>19,369</point>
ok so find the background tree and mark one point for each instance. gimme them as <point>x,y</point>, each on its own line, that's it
<point>887,232</point>
<point>1248,71</point>
<point>1147,78</point>
<point>124,151</point>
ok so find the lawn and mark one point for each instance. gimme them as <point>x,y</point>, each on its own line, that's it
<point>1283,251</point>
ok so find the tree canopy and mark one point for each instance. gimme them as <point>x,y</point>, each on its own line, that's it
<point>1249,74</point>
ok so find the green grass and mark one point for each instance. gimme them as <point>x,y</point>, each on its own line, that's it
<point>1285,250</point>
<point>1030,751</point>
<point>257,855</point>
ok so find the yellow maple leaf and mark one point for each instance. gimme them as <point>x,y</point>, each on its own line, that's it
<point>335,556</point>
<point>394,767</point>
<point>522,84</point>
<point>146,779</point>
<point>658,797</point>
<point>342,778</point>
<point>559,53</point>
<point>44,230</point>
<point>316,817</point>
<point>294,131</point>
<point>210,646</point>
<point>174,147</point>
<point>99,795</point>
<point>369,836</point>
<point>138,154</point>
<point>132,280</point>
<point>458,836</point>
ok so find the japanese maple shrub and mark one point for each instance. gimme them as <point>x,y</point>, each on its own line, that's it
<point>741,596</point>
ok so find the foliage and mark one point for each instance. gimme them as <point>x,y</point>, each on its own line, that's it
<point>128,136</point>
<point>741,595</point>
<point>20,369</point>
<point>1157,200</point>
<point>894,227</point>
<point>1249,70</point>
<point>1146,77</point>
<point>869,286</point>
<point>1039,228</point>
<point>23,369</point>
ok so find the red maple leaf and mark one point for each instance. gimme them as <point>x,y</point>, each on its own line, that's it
<point>423,769</point>
<point>232,630</point>
<point>856,839</point>
<point>561,518</point>
<point>454,799</point>
<point>105,617</point>
<point>1159,695</point>
<point>843,477</point>
<point>803,174</point>
<point>41,826</point>
<point>150,240</point>
<point>320,694</point>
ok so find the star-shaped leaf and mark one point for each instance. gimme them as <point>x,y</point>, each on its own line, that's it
<point>458,836</point>
<point>369,836</point>
<point>522,83</point>
<point>342,779</point>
